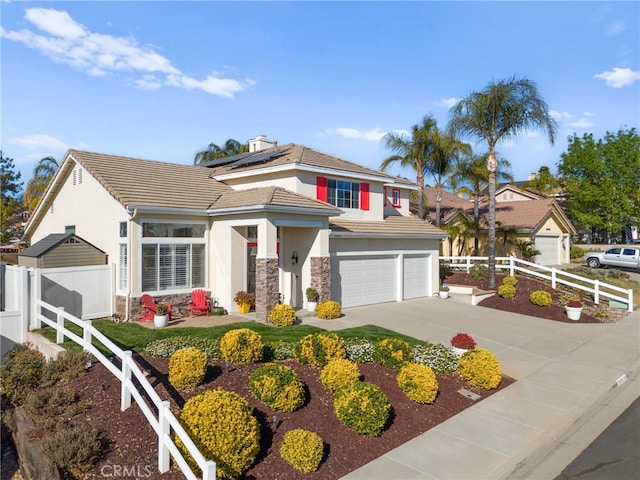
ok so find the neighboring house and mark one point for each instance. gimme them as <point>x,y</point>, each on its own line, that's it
<point>520,215</point>
<point>273,221</point>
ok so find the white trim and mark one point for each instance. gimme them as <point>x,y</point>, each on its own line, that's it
<point>404,236</point>
<point>275,208</point>
<point>298,223</point>
<point>378,253</point>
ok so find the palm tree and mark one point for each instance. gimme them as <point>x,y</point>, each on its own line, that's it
<point>413,152</point>
<point>472,171</point>
<point>212,152</point>
<point>42,175</point>
<point>501,111</point>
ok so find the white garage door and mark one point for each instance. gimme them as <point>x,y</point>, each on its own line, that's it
<point>548,247</point>
<point>415,276</point>
<point>363,280</point>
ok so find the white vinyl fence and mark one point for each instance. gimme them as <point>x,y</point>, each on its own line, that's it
<point>512,264</point>
<point>158,414</point>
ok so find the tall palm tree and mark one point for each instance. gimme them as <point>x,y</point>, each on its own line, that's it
<point>472,171</point>
<point>42,174</point>
<point>502,110</point>
<point>212,152</point>
<point>413,152</point>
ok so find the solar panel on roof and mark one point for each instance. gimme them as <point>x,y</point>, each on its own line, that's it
<point>226,160</point>
<point>256,158</point>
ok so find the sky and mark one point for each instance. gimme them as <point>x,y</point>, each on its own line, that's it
<point>161,80</point>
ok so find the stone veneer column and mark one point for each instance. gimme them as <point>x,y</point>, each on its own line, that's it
<point>321,277</point>
<point>267,281</point>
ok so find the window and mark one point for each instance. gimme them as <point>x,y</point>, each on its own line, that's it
<point>343,194</point>
<point>396,197</point>
<point>122,273</point>
<point>173,256</point>
<point>123,229</point>
<point>70,229</point>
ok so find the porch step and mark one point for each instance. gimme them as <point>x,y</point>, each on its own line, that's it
<point>477,295</point>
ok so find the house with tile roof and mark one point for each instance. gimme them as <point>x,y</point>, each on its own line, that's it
<point>520,215</point>
<point>273,221</point>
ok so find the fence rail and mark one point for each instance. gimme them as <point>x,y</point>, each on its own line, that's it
<point>159,415</point>
<point>597,288</point>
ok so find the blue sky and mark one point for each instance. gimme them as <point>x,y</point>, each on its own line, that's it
<point>161,80</point>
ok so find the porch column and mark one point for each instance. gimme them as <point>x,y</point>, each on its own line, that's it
<point>267,273</point>
<point>321,265</point>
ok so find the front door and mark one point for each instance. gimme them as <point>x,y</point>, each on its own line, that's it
<point>252,251</point>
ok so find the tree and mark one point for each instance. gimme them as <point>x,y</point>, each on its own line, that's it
<point>10,194</point>
<point>213,152</point>
<point>472,171</point>
<point>502,110</point>
<point>602,180</point>
<point>36,187</point>
<point>543,182</point>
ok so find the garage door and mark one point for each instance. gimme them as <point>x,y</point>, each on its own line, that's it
<point>415,276</point>
<point>363,280</point>
<point>548,247</point>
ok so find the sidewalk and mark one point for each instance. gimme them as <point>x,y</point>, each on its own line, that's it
<point>573,380</point>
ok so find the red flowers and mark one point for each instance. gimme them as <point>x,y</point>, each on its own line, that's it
<point>463,340</point>
<point>574,304</point>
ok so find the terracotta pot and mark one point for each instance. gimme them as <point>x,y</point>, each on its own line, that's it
<point>244,307</point>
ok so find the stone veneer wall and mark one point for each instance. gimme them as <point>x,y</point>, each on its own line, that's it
<point>179,309</point>
<point>267,281</point>
<point>321,277</point>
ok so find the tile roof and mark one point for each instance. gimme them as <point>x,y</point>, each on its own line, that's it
<point>451,204</point>
<point>274,196</point>
<point>394,225</point>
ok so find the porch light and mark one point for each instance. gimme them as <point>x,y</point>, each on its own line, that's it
<point>294,257</point>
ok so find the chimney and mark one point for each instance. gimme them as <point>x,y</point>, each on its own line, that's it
<point>260,143</point>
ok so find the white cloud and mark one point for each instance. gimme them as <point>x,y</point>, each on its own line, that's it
<point>583,122</point>
<point>39,141</point>
<point>373,135</point>
<point>619,77</point>
<point>448,102</point>
<point>560,116</point>
<point>615,28</point>
<point>66,41</point>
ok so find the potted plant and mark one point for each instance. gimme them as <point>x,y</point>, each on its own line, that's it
<point>573,309</point>
<point>312,299</point>
<point>244,300</point>
<point>160,319</point>
<point>444,291</point>
<point>461,342</point>
<point>217,309</point>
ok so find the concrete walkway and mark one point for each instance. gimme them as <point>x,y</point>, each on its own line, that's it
<point>573,381</point>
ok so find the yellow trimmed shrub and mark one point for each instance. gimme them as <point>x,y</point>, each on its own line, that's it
<point>278,386</point>
<point>510,280</point>
<point>282,315</point>
<point>480,368</point>
<point>507,291</point>
<point>338,373</point>
<point>541,298</point>
<point>302,449</point>
<point>319,349</point>
<point>392,353</point>
<point>329,309</point>
<point>418,382</point>
<point>242,345</point>
<point>187,368</point>
<point>362,407</point>
<point>222,426</point>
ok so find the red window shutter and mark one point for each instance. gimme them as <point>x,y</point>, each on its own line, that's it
<point>384,191</point>
<point>364,196</point>
<point>321,189</point>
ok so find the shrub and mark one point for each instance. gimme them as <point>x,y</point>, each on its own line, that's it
<point>359,350</point>
<point>222,426</point>
<point>278,350</point>
<point>480,368</point>
<point>72,450</point>
<point>418,382</point>
<point>282,315</point>
<point>328,310</point>
<point>242,346</point>
<point>513,281</point>
<point>187,368</point>
<point>362,407</point>
<point>576,252</point>
<point>338,373</point>
<point>51,402</point>
<point>318,349</point>
<point>21,372</point>
<point>67,366</point>
<point>302,449</point>
<point>244,297</point>
<point>444,271</point>
<point>436,356</point>
<point>392,352</point>
<point>312,294</point>
<point>507,291</point>
<point>479,272</point>
<point>168,346</point>
<point>278,386</point>
<point>541,298</point>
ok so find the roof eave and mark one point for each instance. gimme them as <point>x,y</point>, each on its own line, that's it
<point>424,236</point>
<point>216,212</point>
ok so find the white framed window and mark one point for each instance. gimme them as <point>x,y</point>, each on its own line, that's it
<point>396,197</point>
<point>343,193</point>
<point>173,255</point>
<point>123,256</point>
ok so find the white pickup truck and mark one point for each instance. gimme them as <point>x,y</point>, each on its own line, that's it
<point>615,257</point>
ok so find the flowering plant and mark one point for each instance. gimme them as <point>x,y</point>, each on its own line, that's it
<point>161,309</point>
<point>463,340</point>
<point>244,297</point>
<point>574,304</point>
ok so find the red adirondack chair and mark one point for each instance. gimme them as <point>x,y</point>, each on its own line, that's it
<point>150,308</point>
<point>199,303</point>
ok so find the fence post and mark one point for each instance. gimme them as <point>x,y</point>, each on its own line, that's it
<point>35,295</point>
<point>163,430</point>
<point>209,470</point>
<point>22,284</point>
<point>596,292</point>
<point>630,296</point>
<point>512,270</point>
<point>125,395</point>
<point>553,278</point>
<point>86,335</point>
<point>60,323</point>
